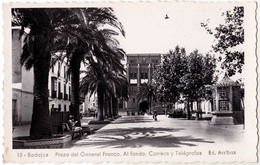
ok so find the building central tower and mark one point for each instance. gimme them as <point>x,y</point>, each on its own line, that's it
<point>139,70</point>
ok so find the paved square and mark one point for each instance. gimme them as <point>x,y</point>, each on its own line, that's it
<point>143,131</point>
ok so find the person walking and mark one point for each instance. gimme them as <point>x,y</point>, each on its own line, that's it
<point>155,115</point>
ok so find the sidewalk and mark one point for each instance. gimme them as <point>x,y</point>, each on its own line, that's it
<point>143,131</point>
<point>24,130</point>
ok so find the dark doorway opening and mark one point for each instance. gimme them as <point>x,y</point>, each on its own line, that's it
<point>143,106</point>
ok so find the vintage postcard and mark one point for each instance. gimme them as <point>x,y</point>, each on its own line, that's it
<point>132,82</point>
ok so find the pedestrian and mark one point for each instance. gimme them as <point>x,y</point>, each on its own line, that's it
<point>72,126</point>
<point>155,115</point>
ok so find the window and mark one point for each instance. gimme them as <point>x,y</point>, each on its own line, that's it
<point>223,105</point>
<point>145,75</point>
<point>223,92</point>
<point>133,88</point>
<point>142,75</point>
<point>65,89</point>
<point>64,72</point>
<point>58,69</point>
<point>54,84</point>
<point>52,65</point>
<point>59,108</point>
<point>59,87</point>
<point>65,107</point>
<point>131,75</point>
<point>135,76</point>
<point>53,87</point>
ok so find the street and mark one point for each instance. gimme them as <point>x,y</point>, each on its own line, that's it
<point>143,131</point>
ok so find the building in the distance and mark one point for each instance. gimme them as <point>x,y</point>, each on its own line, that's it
<point>22,85</point>
<point>59,88</point>
<point>139,70</point>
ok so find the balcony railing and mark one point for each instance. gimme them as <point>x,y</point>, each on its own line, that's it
<point>53,94</point>
<point>65,96</point>
<point>60,95</point>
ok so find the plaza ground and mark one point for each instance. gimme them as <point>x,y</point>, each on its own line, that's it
<point>143,131</point>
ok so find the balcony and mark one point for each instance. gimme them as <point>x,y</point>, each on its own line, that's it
<point>60,95</point>
<point>65,96</point>
<point>53,94</point>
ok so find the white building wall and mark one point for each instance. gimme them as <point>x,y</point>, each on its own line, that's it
<point>61,79</point>
<point>22,85</point>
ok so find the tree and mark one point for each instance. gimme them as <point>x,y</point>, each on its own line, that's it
<point>88,41</point>
<point>200,73</point>
<point>106,83</point>
<point>168,75</point>
<point>45,26</point>
<point>184,75</point>
<point>229,36</point>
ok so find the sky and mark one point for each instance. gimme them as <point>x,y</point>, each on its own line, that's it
<point>147,30</point>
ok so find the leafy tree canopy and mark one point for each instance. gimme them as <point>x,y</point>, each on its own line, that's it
<point>228,36</point>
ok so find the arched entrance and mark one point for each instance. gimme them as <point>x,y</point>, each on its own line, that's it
<point>143,106</point>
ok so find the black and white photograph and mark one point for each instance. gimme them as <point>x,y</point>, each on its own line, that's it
<point>130,82</point>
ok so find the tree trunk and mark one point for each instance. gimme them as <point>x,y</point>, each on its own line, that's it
<point>41,126</point>
<point>109,107</point>
<point>75,72</point>
<point>197,111</point>
<point>191,106</point>
<point>188,109</point>
<point>114,106</point>
<point>100,103</point>
<point>105,105</point>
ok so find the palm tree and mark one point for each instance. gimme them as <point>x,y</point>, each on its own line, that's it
<point>89,42</point>
<point>46,27</point>
<point>107,83</point>
<point>93,82</point>
<point>147,91</point>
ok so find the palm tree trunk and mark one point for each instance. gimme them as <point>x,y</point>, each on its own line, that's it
<point>41,126</point>
<point>111,108</point>
<point>105,106</point>
<point>114,106</point>
<point>75,71</point>
<point>100,103</point>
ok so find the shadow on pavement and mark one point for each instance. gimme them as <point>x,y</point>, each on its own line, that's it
<point>139,137</point>
<point>134,120</point>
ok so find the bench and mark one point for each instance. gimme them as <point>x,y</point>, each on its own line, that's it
<point>77,131</point>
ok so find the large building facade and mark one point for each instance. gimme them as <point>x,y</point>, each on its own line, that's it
<point>139,70</point>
